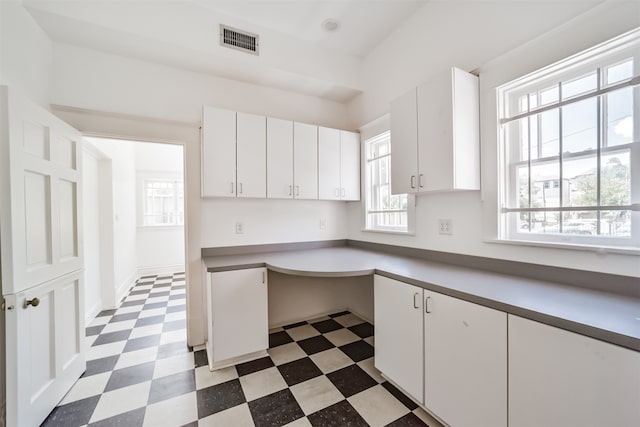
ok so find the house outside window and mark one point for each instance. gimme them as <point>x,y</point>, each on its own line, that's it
<point>384,211</point>
<point>570,149</point>
<point>163,202</point>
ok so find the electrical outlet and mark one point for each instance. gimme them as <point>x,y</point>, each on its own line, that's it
<point>444,226</point>
<point>323,224</point>
<point>239,228</point>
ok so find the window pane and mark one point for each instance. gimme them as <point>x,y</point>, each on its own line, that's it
<point>549,96</point>
<point>545,185</point>
<point>580,223</point>
<point>516,136</point>
<point>615,179</point>
<point>619,72</point>
<point>550,133</point>
<point>579,126</point>
<point>580,182</point>
<point>579,86</point>
<point>615,223</point>
<point>620,116</point>
<point>522,185</point>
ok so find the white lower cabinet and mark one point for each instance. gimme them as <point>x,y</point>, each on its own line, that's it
<point>559,378</point>
<point>465,362</point>
<point>238,317</point>
<point>398,333</point>
<point>449,355</point>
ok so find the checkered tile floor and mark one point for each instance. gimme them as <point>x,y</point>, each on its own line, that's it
<point>140,372</point>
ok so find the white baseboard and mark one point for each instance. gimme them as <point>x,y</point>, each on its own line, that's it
<point>160,269</point>
<point>92,313</point>
<point>124,287</point>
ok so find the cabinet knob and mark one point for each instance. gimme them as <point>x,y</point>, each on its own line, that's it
<point>31,302</point>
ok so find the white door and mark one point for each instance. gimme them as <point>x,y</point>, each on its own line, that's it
<point>404,144</point>
<point>305,161</point>
<point>398,332</point>
<point>251,148</point>
<point>349,165</point>
<point>465,362</point>
<point>279,159</point>
<point>41,264</point>
<point>218,152</point>
<point>328,164</point>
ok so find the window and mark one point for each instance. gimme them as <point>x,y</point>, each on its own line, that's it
<point>569,141</point>
<point>163,202</point>
<point>384,211</point>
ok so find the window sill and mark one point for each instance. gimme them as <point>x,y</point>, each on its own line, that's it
<point>396,233</point>
<point>602,250</point>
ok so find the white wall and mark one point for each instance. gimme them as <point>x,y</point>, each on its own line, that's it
<point>474,214</point>
<point>26,53</point>
<point>91,225</point>
<point>122,154</point>
<point>153,102</point>
<point>159,249</point>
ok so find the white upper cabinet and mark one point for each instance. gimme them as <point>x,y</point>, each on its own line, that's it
<point>328,163</point>
<point>305,161</point>
<point>251,149</point>
<point>218,152</point>
<point>338,164</point>
<point>404,144</point>
<point>349,165</point>
<point>437,124</point>
<point>280,159</point>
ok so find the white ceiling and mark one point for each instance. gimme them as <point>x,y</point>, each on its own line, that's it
<point>295,52</point>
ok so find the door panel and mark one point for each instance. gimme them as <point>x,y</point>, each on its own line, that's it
<point>349,165</point>
<point>404,144</point>
<point>44,346</point>
<point>279,158</point>
<point>41,246</point>
<point>305,161</point>
<point>218,152</point>
<point>251,146</point>
<point>328,164</point>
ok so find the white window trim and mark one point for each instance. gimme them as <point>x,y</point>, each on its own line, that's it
<point>587,60</point>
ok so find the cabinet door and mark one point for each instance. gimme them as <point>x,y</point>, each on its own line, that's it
<point>404,144</point>
<point>398,332</point>
<point>559,378</point>
<point>218,152</point>
<point>251,146</point>
<point>466,130</point>
<point>328,164</point>
<point>435,140</point>
<point>349,165</point>
<point>239,318</point>
<point>279,158</point>
<point>305,161</point>
<point>465,362</point>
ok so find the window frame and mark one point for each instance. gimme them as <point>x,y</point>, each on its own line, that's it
<point>369,209</point>
<point>607,54</point>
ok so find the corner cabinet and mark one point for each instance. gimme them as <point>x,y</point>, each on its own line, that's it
<point>435,136</point>
<point>558,378</point>
<point>338,164</point>
<point>449,355</point>
<point>238,329</point>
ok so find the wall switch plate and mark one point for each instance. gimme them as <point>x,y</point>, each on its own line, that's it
<point>239,228</point>
<point>444,226</point>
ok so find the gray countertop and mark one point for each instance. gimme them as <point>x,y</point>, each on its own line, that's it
<point>608,317</point>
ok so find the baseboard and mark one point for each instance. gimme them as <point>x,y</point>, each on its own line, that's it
<point>92,313</point>
<point>160,269</point>
<point>124,287</point>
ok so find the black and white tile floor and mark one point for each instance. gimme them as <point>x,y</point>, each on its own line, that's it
<point>140,372</point>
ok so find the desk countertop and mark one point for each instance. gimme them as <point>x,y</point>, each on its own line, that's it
<point>605,316</point>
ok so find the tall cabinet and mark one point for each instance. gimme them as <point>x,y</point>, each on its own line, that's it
<point>435,135</point>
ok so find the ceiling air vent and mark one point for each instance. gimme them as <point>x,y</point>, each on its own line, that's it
<point>238,39</point>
